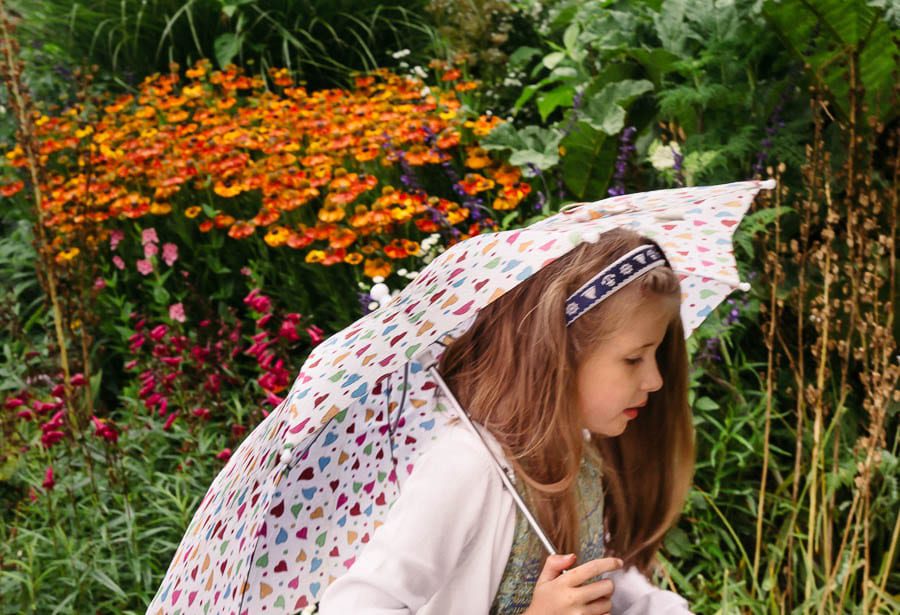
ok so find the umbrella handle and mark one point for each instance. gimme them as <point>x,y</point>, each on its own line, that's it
<point>504,476</point>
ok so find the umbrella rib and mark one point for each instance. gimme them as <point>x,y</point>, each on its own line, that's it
<point>551,550</point>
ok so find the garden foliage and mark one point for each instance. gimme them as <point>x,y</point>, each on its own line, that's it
<point>175,241</point>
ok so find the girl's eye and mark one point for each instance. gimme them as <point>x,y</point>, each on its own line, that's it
<point>633,361</point>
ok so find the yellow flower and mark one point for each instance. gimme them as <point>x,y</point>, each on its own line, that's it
<point>375,267</point>
<point>192,211</point>
<point>354,258</point>
<point>67,255</point>
<point>277,236</point>
<point>315,256</point>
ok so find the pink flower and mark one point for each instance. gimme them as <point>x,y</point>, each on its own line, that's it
<point>257,301</point>
<point>225,455</point>
<point>48,479</point>
<point>13,403</point>
<point>201,413</point>
<point>51,437</point>
<point>176,312</point>
<point>316,335</point>
<point>78,380</point>
<point>100,283</point>
<point>148,235</point>
<point>158,332</point>
<point>145,267</point>
<point>171,419</point>
<point>118,262</point>
<point>104,429</point>
<point>114,238</point>
<point>150,250</point>
<point>246,271</point>
<point>170,253</point>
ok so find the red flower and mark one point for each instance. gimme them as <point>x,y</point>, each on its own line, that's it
<point>224,455</point>
<point>48,479</point>
<point>171,419</point>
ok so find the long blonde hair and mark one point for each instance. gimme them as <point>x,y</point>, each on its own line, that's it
<point>515,370</point>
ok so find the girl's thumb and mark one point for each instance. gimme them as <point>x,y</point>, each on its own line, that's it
<point>554,566</point>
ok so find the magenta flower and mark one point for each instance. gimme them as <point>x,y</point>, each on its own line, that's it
<point>176,312</point>
<point>148,235</point>
<point>158,332</point>
<point>201,413</point>
<point>48,479</point>
<point>13,403</point>
<point>257,301</point>
<point>316,335</point>
<point>170,253</point>
<point>118,262</point>
<point>224,455</point>
<point>171,419</point>
<point>145,266</point>
<point>100,283</point>
<point>115,238</point>
<point>104,429</point>
<point>150,250</point>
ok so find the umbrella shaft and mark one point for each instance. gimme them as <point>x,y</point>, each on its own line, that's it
<point>551,550</point>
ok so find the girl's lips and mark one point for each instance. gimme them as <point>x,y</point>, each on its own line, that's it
<point>631,412</point>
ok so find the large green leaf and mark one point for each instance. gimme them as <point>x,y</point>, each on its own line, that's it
<point>605,111</point>
<point>588,163</point>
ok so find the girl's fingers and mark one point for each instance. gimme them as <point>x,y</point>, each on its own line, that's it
<point>587,571</point>
<point>601,607</point>
<point>601,590</point>
<point>554,566</point>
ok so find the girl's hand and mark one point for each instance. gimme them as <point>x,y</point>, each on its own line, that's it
<point>556,593</point>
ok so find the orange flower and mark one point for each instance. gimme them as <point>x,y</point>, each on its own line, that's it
<point>477,158</point>
<point>331,212</point>
<point>412,247</point>
<point>475,183</point>
<point>465,86</point>
<point>395,249</point>
<point>67,255</point>
<point>342,238</point>
<point>360,217</point>
<point>375,267</point>
<point>277,236</point>
<point>223,221</point>
<point>506,174</point>
<point>298,241</point>
<point>193,211</point>
<point>241,229</point>
<point>483,125</point>
<point>266,216</point>
<point>353,258</point>
<point>451,75</point>
<point>206,226</point>
<point>8,190</point>
<point>227,188</point>
<point>333,257</point>
<point>503,204</point>
<point>518,192</point>
<point>315,256</point>
<point>160,209</point>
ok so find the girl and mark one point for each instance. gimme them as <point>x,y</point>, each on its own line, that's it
<point>584,398</point>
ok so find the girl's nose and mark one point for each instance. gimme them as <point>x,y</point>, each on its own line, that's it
<point>653,379</point>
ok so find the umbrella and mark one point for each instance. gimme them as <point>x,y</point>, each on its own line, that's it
<point>305,491</point>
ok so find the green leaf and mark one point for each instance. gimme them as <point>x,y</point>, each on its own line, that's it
<point>588,163</point>
<point>226,47</point>
<point>605,111</point>
<point>161,295</point>
<point>521,56</point>
<point>561,96</point>
<point>551,60</point>
<point>705,403</point>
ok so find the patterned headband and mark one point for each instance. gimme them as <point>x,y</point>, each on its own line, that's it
<point>612,278</point>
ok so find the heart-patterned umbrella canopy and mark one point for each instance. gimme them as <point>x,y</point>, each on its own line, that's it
<point>304,492</point>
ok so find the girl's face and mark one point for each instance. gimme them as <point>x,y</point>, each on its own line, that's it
<point>616,378</point>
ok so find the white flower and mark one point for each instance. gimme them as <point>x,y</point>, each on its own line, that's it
<point>380,292</point>
<point>663,156</point>
<point>421,72</point>
<point>400,54</point>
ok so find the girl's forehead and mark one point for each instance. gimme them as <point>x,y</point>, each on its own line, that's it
<point>644,323</point>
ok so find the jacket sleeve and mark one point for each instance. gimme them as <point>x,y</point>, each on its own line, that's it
<point>635,595</point>
<point>425,534</point>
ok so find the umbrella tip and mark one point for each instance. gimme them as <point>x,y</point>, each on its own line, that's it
<point>768,184</point>
<point>744,286</point>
